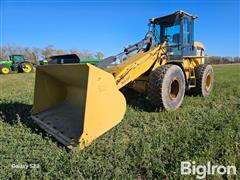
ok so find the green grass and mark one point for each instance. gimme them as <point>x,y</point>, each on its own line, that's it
<point>146,144</point>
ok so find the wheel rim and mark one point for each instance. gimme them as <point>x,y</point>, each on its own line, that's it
<point>174,89</point>
<point>27,68</point>
<point>208,82</point>
<point>5,70</point>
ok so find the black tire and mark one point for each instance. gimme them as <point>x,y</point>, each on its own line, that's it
<point>129,94</point>
<point>29,66</point>
<point>2,67</point>
<point>167,87</point>
<point>204,80</point>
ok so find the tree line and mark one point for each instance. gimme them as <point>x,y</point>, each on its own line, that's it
<point>222,60</point>
<point>36,54</point>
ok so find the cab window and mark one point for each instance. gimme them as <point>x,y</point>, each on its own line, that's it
<point>172,34</point>
<point>157,33</point>
<point>17,59</point>
<point>186,31</point>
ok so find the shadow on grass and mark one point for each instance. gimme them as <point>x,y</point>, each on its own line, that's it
<point>13,112</point>
<point>138,101</point>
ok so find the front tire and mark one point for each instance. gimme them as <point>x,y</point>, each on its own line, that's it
<point>5,69</point>
<point>167,87</point>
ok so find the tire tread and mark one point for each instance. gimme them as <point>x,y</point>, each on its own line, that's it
<point>155,86</point>
<point>199,73</point>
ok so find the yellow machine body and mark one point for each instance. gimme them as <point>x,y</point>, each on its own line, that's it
<point>77,103</point>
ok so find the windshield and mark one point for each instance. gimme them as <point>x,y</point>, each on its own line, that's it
<point>157,33</point>
<point>172,34</point>
<point>18,59</point>
<point>169,32</point>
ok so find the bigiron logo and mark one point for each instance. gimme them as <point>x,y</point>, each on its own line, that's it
<point>202,171</point>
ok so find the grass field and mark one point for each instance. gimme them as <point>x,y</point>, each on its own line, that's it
<point>146,144</point>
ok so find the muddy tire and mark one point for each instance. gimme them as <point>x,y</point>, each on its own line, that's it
<point>26,68</point>
<point>167,87</point>
<point>204,80</point>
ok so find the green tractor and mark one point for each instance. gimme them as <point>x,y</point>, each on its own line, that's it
<point>16,63</point>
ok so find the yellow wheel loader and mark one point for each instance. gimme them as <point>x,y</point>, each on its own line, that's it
<point>77,103</point>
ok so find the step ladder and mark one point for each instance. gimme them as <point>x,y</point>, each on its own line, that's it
<point>192,78</point>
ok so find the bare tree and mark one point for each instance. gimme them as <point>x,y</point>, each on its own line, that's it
<point>59,51</point>
<point>48,51</point>
<point>85,54</point>
<point>99,55</point>
<point>74,51</point>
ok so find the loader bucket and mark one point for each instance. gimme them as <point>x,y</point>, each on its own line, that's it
<point>76,103</point>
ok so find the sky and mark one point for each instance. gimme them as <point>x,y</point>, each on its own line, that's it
<point>109,26</point>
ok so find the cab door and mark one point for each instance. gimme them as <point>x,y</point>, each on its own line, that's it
<point>188,42</point>
<point>173,35</point>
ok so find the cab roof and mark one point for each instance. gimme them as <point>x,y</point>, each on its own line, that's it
<point>171,17</point>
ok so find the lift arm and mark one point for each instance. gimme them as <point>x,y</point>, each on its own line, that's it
<point>148,41</point>
<point>136,65</point>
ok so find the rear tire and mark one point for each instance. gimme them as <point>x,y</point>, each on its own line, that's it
<point>204,80</point>
<point>4,69</point>
<point>167,87</point>
<point>26,68</point>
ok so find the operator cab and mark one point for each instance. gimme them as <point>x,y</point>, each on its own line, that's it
<point>17,58</point>
<point>177,30</point>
